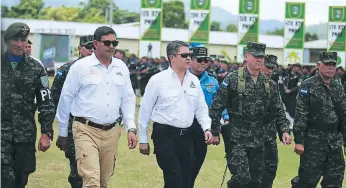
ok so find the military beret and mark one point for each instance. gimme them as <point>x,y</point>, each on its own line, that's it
<point>270,61</point>
<point>199,52</point>
<point>256,49</point>
<point>328,57</point>
<point>29,42</point>
<point>84,40</point>
<point>17,30</point>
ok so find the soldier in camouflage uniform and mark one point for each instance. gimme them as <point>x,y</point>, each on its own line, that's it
<point>22,79</point>
<point>271,157</point>
<point>319,129</point>
<point>85,49</point>
<point>247,103</point>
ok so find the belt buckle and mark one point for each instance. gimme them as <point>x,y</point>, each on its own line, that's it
<point>182,131</point>
<point>105,126</point>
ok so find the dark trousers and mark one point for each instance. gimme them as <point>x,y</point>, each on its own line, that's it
<point>246,166</point>
<point>74,179</point>
<point>199,150</point>
<point>18,161</point>
<point>319,159</point>
<point>225,135</point>
<point>172,147</point>
<point>271,160</point>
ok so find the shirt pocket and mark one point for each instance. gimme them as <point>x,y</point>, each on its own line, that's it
<point>169,98</point>
<point>191,96</point>
<point>92,80</point>
<point>119,80</point>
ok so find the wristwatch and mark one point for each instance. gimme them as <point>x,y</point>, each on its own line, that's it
<point>134,130</point>
<point>49,134</point>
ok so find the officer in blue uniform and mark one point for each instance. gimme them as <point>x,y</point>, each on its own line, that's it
<point>209,86</point>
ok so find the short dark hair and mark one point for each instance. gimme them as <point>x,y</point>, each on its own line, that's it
<point>102,31</point>
<point>120,51</point>
<point>173,47</point>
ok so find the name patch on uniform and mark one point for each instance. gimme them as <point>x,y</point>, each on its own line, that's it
<point>45,93</point>
<point>303,92</point>
<point>209,85</point>
<point>192,85</point>
<point>44,81</point>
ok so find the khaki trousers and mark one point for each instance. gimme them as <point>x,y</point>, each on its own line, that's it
<point>96,151</point>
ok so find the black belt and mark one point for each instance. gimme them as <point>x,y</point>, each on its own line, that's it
<point>169,128</point>
<point>96,125</point>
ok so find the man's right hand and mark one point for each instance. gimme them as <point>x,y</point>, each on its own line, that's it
<point>144,149</point>
<point>61,143</point>
<point>216,140</point>
<point>299,149</point>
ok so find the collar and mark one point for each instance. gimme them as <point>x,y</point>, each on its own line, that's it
<point>171,72</point>
<point>332,81</point>
<point>94,61</point>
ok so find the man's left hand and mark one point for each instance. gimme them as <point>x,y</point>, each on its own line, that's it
<point>286,139</point>
<point>208,137</point>
<point>131,140</point>
<point>44,143</point>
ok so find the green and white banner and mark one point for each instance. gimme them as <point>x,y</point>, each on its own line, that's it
<point>150,28</point>
<point>337,32</point>
<point>199,24</point>
<point>294,33</point>
<point>248,25</point>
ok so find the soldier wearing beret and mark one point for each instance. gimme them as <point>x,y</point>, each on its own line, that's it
<point>22,79</point>
<point>248,96</point>
<point>271,157</point>
<point>319,128</point>
<point>85,48</point>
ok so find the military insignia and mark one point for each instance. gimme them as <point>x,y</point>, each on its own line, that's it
<point>14,65</point>
<point>295,10</point>
<point>337,13</point>
<point>119,73</point>
<point>192,85</point>
<point>152,3</point>
<point>224,84</point>
<point>201,4</point>
<point>59,74</point>
<point>303,92</point>
<point>25,30</point>
<point>44,81</point>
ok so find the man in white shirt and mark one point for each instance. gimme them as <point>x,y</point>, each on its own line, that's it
<point>172,99</point>
<point>96,87</point>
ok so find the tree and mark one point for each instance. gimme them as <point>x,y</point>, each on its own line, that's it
<point>277,31</point>
<point>4,11</point>
<point>61,13</point>
<point>27,9</point>
<point>310,37</point>
<point>174,15</point>
<point>215,26</point>
<point>231,28</point>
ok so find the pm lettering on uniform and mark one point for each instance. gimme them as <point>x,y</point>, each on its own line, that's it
<point>45,93</point>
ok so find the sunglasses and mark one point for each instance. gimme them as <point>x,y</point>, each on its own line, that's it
<point>89,46</point>
<point>108,43</point>
<point>201,60</point>
<point>185,55</point>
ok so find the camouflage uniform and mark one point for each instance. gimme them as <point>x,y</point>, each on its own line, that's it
<point>247,131</point>
<point>271,157</point>
<point>318,127</point>
<point>74,179</point>
<point>21,81</point>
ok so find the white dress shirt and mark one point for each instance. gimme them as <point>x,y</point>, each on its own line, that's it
<point>96,93</point>
<point>167,101</point>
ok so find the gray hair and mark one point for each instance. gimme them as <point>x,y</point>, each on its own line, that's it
<point>173,47</point>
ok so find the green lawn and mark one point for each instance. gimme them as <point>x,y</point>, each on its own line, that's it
<point>134,170</point>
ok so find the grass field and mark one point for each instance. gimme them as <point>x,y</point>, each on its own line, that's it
<point>134,170</point>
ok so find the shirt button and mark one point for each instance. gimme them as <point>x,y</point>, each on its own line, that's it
<point>107,82</point>
<point>107,93</point>
<point>106,115</point>
<point>107,105</point>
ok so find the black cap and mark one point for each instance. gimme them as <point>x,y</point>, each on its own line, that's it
<point>199,52</point>
<point>29,42</point>
<point>328,57</point>
<point>256,49</point>
<point>18,29</point>
<point>270,61</point>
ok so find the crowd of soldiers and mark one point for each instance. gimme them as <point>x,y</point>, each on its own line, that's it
<point>261,100</point>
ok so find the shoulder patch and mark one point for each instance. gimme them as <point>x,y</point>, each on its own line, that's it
<point>44,81</point>
<point>303,92</point>
<point>60,73</point>
<point>224,84</point>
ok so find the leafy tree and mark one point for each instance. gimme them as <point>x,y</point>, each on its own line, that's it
<point>215,26</point>
<point>277,31</point>
<point>174,15</point>
<point>27,9</point>
<point>231,28</point>
<point>61,13</point>
<point>4,11</point>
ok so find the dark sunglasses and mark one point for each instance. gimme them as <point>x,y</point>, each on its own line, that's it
<point>108,43</point>
<point>201,60</point>
<point>89,46</point>
<point>185,55</point>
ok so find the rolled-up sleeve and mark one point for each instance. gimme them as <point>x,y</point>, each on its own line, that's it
<point>128,104</point>
<point>68,93</point>
<point>202,111</point>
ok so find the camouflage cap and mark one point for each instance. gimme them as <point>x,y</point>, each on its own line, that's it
<point>84,40</point>
<point>199,52</point>
<point>328,57</point>
<point>270,61</point>
<point>17,30</point>
<point>256,49</point>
